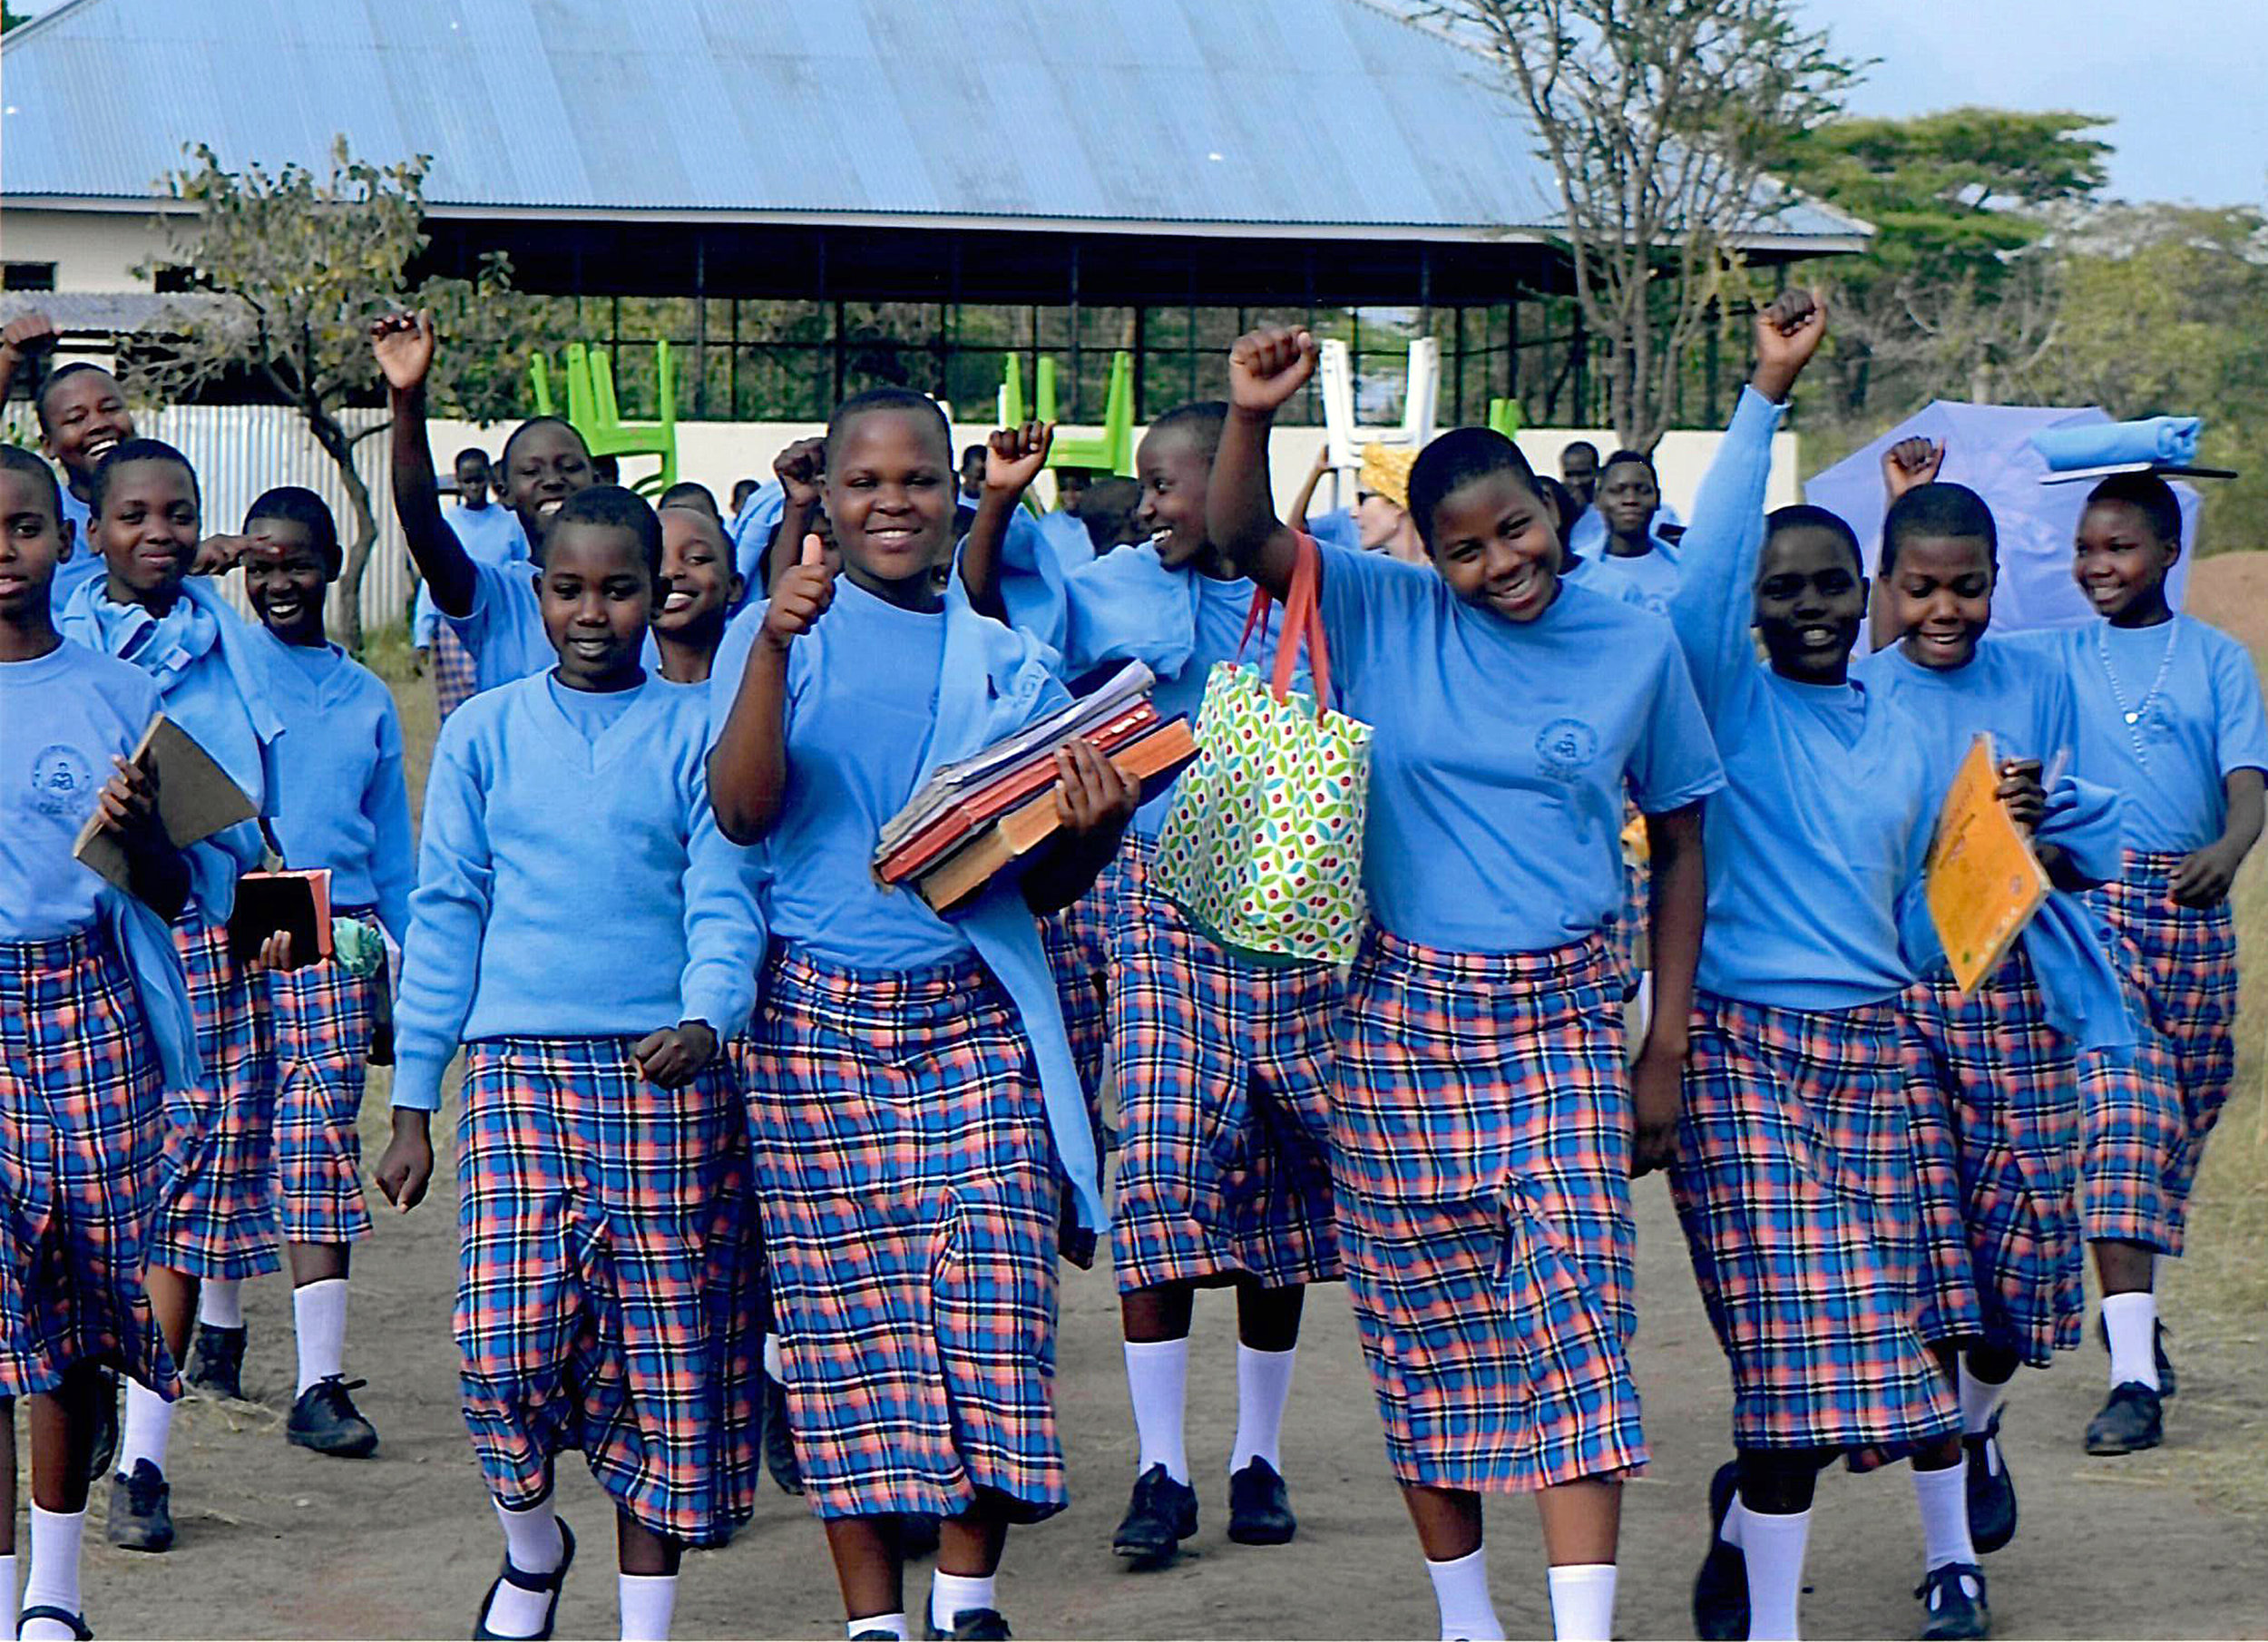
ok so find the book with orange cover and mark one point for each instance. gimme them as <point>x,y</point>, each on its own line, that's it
<point>1150,761</point>
<point>298,904</point>
<point>941,836</point>
<point>1983,882</point>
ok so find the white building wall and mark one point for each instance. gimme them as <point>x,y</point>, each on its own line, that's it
<point>91,250</point>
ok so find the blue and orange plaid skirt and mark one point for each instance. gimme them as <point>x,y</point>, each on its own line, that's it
<point>217,1209</point>
<point>601,1294</point>
<point>2179,963</point>
<point>323,1016</point>
<point>1483,1130</point>
<point>455,674</point>
<point>1993,1097</point>
<point>1794,1182</point>
<point>910,1197</point>
<point>82,1138</point>
<point>1222,1073</point>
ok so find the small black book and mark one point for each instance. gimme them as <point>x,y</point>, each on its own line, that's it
<point>297,903</point>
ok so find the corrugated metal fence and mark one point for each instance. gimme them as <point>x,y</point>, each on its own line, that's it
<point>240,450</point>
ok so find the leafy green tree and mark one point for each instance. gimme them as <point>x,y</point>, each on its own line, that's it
<point>306,259</point>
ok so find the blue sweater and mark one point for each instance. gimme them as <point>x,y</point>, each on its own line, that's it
<point>569,888</point>
<point>337,797</point>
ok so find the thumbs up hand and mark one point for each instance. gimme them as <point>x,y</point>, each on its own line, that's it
<point>800,596</point>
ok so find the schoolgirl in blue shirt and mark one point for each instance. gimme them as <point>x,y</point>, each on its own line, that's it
<point>1794,1172</point>
<point>217,1214</point>
<point>493,607</point>
<point>906,1154</point>
<point>93,1025</point>
<point>1482,1108</point>
<point>338,802</point>
<point>491,535</point>
<point>1628,526</point>
<point>83,417</point>
<point>699,591</point>
<point>1220,1066</point>
<point>1992,1079</point>
<point>2169,713</point>
<point>598,1155</point>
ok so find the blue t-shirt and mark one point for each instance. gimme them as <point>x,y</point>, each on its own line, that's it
<point>62,719</point>
<point>1589,537</point>
<point>337,794</point>
<point>1815,847</point>
<point>1337,528</point>
<point>1501,751</point>
<point>592,712</point>
<point>504,629</point>
<point>2195,697</point>
<point>862,704</point>
<point>1654,575</point>
<point>2010,690</point>
<point>490,535</point>
<point>85,562</point>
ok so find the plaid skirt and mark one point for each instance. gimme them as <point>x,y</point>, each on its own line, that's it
<point>1993,1097</point>
<point>82,1136</point>
<point>909,1195</point>
<point>1077,939</point>
<point>1794,1182</point>
<point>601,1284</point>
<point>2181,961</point>
<point>216,1210</point>
<point>455,674</point>
<point>1222,1073</point>
<point>1482,1131</point>
<point>323,1017</point>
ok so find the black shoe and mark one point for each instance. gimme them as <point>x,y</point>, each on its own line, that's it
<point>1949,1610</point>
<point>779,1440</point>
<point>2134,1419</point>
<point>917,1535</point>
<point>217,1366</point>
<point>1260,1507</point>
<point>326,1419</point>
<point>1161,1514</point>
<point>1720,1590</point>
<point>1991,1491</point>
<point>974,1625</point>
<point>105,1446</point>
<point>60,1616</point>
<point>550,1584</point>
<point>142,1509</point>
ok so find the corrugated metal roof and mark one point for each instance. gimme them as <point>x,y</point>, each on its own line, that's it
<point>1330,113</point>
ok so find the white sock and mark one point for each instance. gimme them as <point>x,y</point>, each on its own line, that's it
<point>1735,1515</point>
<point>1773,1547</point>
<point>2131,1322</point>
<point>952,1595</point>
<point>774,1368</point>
<point>318,1318</point>
<point>1461,1588</point>
<point>220,1302</point>
<point>1583,1602</point>
<point>1979,1401</point>
<point>1157,1374</point>
<point>1944,1496</point>
<point>1263,1385</point>
<point>532,1544</point>
<point>8,1584</point>
<point>889,1623</point>
<point>149,1423</point>
<point>53,1580</point>
<point>648,1600</point>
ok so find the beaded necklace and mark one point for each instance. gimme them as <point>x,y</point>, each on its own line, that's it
<point>2135,715</point>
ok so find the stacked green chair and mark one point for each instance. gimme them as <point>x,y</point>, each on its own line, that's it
<point>592,410</point>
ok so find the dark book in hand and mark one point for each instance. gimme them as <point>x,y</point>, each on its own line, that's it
<point>297,903</point>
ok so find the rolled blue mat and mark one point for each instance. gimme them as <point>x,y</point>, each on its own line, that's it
<point>2170,440</point>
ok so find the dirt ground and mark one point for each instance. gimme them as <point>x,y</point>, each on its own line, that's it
<point>276,1542</point>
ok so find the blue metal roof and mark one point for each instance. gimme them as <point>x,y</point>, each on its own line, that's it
<point>1333,117</point>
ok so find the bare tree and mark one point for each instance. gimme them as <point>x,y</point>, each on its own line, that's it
<point>1656,117</point>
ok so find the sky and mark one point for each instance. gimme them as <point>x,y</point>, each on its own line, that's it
<point>2182,80</point>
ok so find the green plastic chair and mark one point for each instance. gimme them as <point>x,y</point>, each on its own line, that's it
<point>539,381</point>
<point>1505,417</point>
<point>1113,451</point>
<point>592,410</point>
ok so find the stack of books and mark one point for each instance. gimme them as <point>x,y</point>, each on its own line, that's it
<point>977,818</point>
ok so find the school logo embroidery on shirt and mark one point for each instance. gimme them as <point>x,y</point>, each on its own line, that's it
<point>1564,748</point>
<point>62,782</point>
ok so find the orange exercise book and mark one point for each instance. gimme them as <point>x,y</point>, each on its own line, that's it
<point>1983,883</point>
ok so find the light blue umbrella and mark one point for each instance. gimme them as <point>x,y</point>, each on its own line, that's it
<point>1989,449</point>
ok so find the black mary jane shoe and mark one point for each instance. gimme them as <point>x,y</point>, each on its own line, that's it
<point>551,1584</point>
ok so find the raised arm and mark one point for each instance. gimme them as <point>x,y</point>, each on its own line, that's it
<point>1906,465</point>
<point>799,469</point>
<point>1715,606</point>
<point>404,344</point>
<point>747,768</point>
<point>1266,369</point>
<point>1297,517</point>
<point>30,332</point>
<point>1014,457</point>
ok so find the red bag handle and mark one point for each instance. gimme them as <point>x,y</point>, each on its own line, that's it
<point>1303,616</point>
